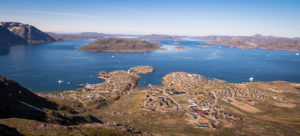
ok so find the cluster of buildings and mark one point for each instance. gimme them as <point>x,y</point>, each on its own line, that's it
<point>249,95</point>
<point>158,99</point>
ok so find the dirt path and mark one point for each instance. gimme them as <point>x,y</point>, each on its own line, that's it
<point>244,106</point>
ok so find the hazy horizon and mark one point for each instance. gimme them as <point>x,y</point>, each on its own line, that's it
<point>189,18</point>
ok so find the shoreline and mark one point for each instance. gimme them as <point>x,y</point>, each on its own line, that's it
<point>126,51</point>
<point>187,99</point>
<point>161,83</point>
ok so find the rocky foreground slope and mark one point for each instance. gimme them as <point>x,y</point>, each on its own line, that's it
<point>25,113</point>
<point>14,33</point>
<point>185,104</point>
<point>120,45</point>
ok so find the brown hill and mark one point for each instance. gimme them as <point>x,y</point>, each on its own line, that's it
<point>120,45</point>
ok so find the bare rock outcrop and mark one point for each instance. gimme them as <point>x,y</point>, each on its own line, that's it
<point>142,69</point>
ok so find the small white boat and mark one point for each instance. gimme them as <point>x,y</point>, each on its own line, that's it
<point>297,54</point>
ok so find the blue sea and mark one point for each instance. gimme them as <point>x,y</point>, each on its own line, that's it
<point>40,67</point>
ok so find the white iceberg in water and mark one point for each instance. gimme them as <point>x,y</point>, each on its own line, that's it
<point>297,54</point>
<point>60,81</point>
<point>251,79</point>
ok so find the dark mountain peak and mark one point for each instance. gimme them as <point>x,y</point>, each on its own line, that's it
<point>29,33</point>
<point>9,38</point>
<point>7,24</point>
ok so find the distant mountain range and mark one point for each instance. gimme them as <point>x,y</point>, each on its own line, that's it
<point>86,35</point>
<point>255,41</point>
<point>13,33</point>
<point>79,36</point>
<point>159,37</point>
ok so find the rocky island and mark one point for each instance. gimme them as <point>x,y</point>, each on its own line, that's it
<point>180,47</point>
<point>204,46</point>
<point>118,107</point>
<point>120,45</point>
<point>142,69</point>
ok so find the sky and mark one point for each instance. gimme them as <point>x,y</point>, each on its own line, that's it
<point>175,17</point>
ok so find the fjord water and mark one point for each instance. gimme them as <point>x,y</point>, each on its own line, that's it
<point>40,67</point>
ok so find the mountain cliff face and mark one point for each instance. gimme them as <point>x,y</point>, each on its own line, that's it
<point>24,112</point>
<point>23,32</point>
<point>8,38</point>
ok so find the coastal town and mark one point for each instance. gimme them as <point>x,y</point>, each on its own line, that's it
<point>150,68</point>
<point>196,102</point>
<point>203,100</point>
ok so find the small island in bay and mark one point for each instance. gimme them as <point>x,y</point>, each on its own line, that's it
<point>180,48</point>
<point>176,43</point>
<point>204,46</point>
<point>142,69</point>
<point>120,45</point>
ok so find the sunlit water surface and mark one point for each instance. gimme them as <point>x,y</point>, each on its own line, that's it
<point>40,67</point>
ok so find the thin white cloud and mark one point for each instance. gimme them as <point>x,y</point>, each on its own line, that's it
<point>59,13</point>
<point>255,22</point>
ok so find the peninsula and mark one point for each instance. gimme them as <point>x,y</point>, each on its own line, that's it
<point>120,45</point>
